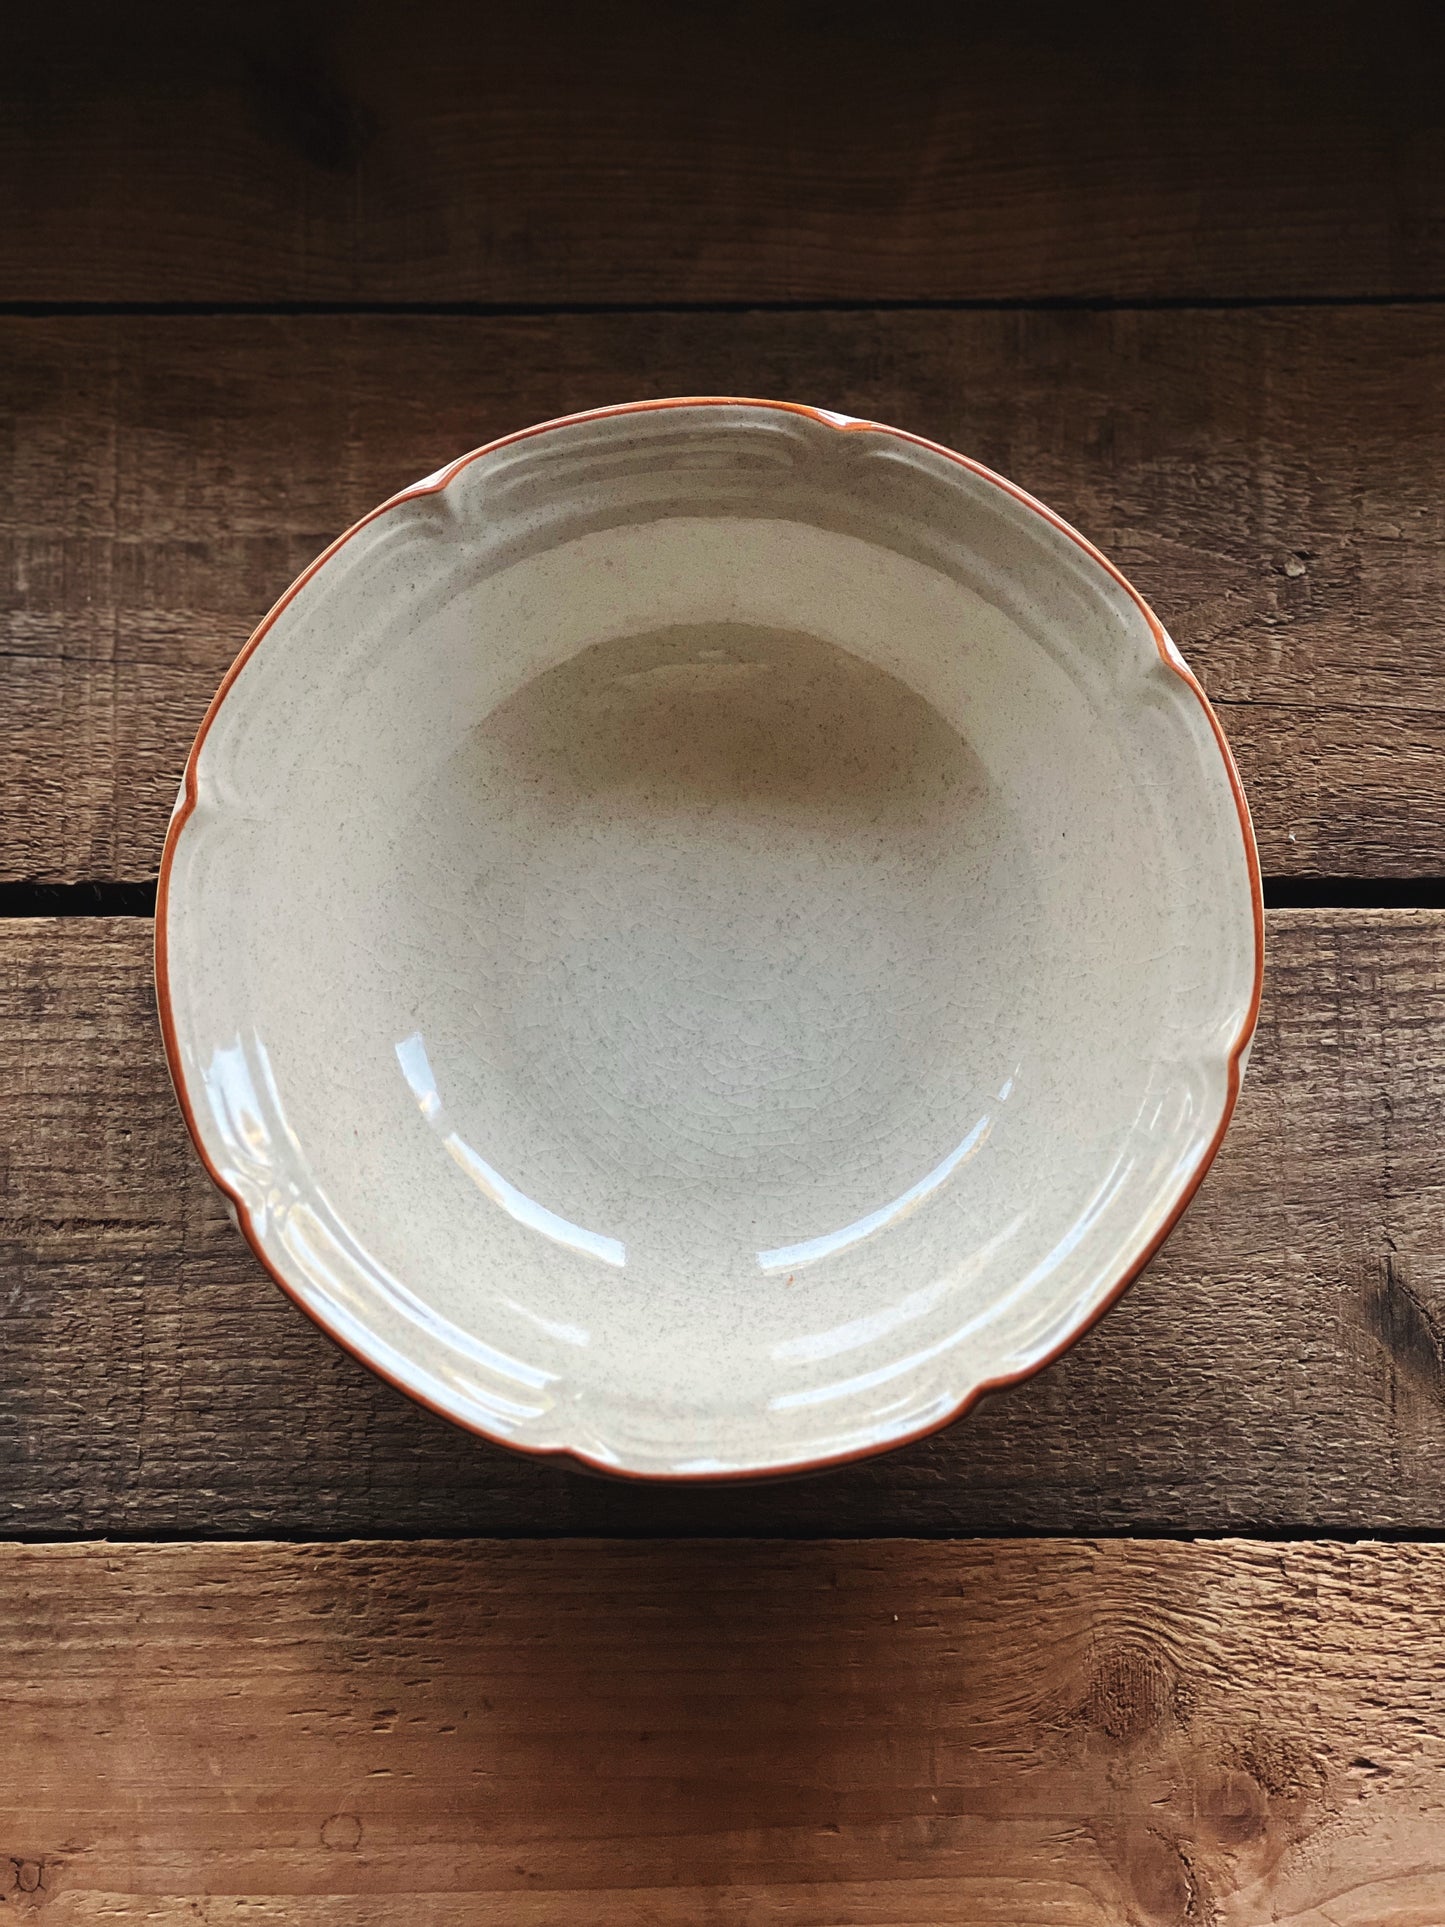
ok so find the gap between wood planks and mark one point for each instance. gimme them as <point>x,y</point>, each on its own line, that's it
<point>523,310</point>
<point>1251,1533</point>
<point>138,898</point>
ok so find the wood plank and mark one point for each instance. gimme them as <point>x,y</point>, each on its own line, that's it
<point>764,149</point>
<point>1269,479</point>
<point>1004,1734</point>
<point>1280,1368</point>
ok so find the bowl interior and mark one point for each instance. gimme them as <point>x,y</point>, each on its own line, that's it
<point>707,937</point>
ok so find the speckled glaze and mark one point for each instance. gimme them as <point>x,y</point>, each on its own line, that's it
<point>707,934</point>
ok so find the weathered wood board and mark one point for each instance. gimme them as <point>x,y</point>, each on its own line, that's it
<point>755,150</point>
<point>1281,1367</point>
<point>1268,479</point>
<point>1004,1734</point>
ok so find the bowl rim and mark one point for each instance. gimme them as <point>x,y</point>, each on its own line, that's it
<point>434,484</point>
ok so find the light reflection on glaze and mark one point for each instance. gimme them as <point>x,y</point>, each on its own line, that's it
<point>554,1327</point>
<point>809,1250</point>
<point>793,1257</point>
<point>328,1254</point>
<point>234,1102</point>
<point>864,1331</point>
<point>416,1069</point>
<point>1116,1177</point>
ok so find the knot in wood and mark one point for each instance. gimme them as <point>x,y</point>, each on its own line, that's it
<point>1134,1691</point>
<point>342,1830</point>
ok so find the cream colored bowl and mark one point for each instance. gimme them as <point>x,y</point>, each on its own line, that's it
<point>707,934</point>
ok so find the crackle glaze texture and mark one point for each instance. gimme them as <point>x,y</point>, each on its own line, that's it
<point>704,935</point>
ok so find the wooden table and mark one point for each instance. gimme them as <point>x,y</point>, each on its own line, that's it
<point>1157,1638</point>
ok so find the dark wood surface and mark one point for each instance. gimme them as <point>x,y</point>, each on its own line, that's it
<point>1181,272</point>
<point>1280,1367</point>
<point>1269,478</point>
<point>749,150</point>
<point>589,1735</point>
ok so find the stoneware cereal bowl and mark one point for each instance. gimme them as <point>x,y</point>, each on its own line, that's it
<point>706,935</point>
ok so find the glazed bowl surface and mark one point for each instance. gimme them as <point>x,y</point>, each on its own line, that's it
<point>707,934</point>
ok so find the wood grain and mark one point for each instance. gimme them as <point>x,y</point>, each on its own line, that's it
<point>904,1735</point>
<point>1280,1368</point>
<point>1269,479</point>
<point>755,149</point>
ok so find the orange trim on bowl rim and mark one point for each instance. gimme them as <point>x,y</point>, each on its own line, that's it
<point>433,485</point>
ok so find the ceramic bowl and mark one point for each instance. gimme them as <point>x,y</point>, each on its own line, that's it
<point>707,934</point>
